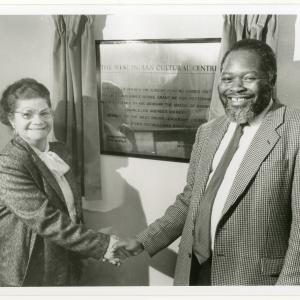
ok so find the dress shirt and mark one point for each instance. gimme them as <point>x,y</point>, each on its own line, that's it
<point>225,187</point>
<point>60,178</point>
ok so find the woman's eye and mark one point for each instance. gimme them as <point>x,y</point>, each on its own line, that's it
<point>26,115</point>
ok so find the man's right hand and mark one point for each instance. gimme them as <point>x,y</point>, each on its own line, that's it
<point>127,248</point>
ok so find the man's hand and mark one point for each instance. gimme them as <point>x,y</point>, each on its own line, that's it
<point>126,248</point>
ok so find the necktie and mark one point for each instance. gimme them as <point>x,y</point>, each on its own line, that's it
<point>202,240</point>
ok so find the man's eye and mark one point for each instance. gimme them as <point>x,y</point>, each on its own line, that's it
<point>226,79</point>
<point>249,78</point>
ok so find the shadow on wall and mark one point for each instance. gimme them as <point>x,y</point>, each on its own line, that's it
<point>126,220</point>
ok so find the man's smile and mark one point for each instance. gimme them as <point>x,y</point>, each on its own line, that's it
<point>239,100</point>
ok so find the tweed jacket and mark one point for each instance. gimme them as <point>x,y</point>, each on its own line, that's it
<point>257,239</point>
<point>39,244</point>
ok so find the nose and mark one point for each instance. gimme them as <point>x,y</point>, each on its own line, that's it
<point>237,85</point>
<point>36,119</point>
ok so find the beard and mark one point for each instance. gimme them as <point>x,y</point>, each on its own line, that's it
<point>239,115</point>
<point>248,111</point>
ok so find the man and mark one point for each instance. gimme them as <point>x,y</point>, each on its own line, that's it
<point>239,213</point>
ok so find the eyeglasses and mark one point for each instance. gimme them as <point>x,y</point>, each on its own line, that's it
<point>29,114</point>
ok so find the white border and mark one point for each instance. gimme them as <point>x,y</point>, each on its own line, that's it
<point>147,7</point>
<point>172,293</point>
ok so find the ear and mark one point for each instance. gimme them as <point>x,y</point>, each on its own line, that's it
<point>274,79</point>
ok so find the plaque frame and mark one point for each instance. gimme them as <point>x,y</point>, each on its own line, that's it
<point>159,135</point>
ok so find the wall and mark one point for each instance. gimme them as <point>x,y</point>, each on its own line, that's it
<point>26,43</point>
<point>288,81</point>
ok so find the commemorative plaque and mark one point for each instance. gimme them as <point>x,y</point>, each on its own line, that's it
<point>153,95</point>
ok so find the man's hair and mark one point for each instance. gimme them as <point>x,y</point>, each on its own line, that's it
<point>26,88</point>
<point>264,51</point>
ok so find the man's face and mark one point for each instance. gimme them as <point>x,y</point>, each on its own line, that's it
<point>245,88</point>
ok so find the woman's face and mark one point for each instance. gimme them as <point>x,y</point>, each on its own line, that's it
<point>32,121</point>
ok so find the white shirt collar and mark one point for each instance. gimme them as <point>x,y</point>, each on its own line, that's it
<point>54,163</point>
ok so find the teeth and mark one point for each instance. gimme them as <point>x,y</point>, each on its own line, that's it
<point>238,100</point>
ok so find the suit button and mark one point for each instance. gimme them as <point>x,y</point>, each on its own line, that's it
<point>190,255</point>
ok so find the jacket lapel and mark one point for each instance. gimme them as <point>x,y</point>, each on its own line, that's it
<point>262,144</point>
<point>47,176</point>
<point>214,137</point>
<point>70,179</point>
<point>77,202</point>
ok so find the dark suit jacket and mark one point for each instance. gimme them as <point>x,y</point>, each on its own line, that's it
<point>39,244</point>
<point>257,239</point>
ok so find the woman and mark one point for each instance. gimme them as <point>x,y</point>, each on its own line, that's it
<point>42,238</point>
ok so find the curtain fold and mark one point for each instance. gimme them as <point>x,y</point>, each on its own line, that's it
<point>238,27</point>
<point>76,119</point>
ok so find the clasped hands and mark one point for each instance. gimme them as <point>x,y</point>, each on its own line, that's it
<point>118,250</point>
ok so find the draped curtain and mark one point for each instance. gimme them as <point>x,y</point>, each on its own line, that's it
<point>238,27</point>
<point>76,119</point>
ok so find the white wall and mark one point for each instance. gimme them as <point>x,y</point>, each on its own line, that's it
<point>288,79</point>
<point>25,51</point>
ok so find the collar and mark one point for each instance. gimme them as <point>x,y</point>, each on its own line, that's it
<point>55,164</point>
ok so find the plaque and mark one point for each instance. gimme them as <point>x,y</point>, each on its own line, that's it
<point>153,95</point>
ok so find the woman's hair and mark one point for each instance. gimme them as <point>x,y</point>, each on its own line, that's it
<point>26,88</point>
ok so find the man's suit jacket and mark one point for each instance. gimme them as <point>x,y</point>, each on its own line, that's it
<point>39,244</point>
<point>257,239</point>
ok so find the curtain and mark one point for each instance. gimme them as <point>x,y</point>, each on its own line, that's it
<point>297,39</point>
<point>76,120</point>
<point>238,27</point>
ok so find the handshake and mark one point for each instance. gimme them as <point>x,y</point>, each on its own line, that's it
<point>118,250</point>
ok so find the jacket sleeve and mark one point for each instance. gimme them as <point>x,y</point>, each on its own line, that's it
<point>290,273</point>
<point>21,195</point>
<point>168,228</point>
